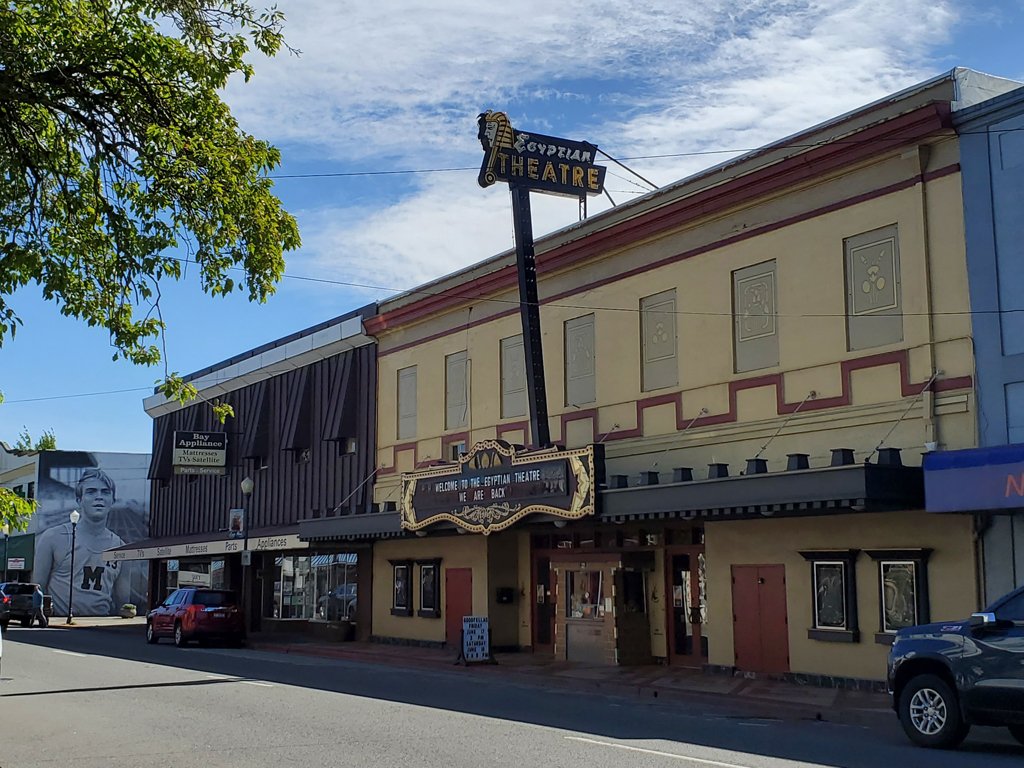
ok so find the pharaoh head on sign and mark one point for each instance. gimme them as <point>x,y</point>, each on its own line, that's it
<point>495,133</point>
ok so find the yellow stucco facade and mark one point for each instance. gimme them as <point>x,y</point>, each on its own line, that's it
<point>824,388</point>
<point>952,583</point>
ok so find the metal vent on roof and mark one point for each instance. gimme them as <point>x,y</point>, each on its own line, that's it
<point>797,461</point>
<point>682,475</point>
<point>649,478</point>
<point>717,470</point>
<point>757,466</point>
<point>842,457</point>
<point>889,457</point>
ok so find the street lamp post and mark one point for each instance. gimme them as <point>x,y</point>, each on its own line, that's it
<point>71,582</point>
<point>247,486</point>
<point>6,536</point>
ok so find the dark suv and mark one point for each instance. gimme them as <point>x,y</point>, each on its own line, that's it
<point>16,603</point>
<point>946,677</point>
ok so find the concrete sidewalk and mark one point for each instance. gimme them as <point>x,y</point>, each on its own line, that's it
<point>99,622</point>
<point>755,696</point>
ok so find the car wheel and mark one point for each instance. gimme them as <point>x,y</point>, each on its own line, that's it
<point>930,713</point>
<point>179,635</point>
<point>1017,731</point>
<point>151,637</point>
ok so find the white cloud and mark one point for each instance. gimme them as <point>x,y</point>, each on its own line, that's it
<point>395,84</point>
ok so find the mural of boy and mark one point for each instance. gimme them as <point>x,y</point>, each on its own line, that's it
<point>100,587</point>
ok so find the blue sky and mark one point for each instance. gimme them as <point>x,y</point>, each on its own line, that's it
<point>386,86</point>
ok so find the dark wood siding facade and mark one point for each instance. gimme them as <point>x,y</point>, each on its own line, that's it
<point>299,427</point>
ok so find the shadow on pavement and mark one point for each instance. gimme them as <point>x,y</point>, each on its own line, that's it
<point>601,715</point>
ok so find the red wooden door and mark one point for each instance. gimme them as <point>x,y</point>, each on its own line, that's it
<point>760,625</point>
<point>774,620</point>
<point>746,618</point>
<point>458,602</point>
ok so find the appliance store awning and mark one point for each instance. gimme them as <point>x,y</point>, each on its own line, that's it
<point>975,480</point>
<point>858,487</point>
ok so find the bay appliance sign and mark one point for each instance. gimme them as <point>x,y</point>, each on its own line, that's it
<point>494,485</point>
<point>200,453</point>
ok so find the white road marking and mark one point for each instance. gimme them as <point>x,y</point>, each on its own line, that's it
<point>70,653</point>
<point>755,725</point>
<point>253,682</point>
<point>700,760</point>
<point>217,677</point>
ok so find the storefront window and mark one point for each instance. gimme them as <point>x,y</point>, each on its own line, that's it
<point>294,588</point>
<point>172,576</point>
<point>430,589</point>
<point>899,595</point>
<point>586,595</point>
<point>829,595</point>
<point>401,600</point>
<point>335,577</point>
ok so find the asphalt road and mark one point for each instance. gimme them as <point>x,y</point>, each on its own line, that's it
<point>102,697</point>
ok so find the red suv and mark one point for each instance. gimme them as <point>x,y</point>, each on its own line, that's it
<point>197,614</point>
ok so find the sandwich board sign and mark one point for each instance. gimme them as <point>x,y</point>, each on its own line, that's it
<point>476,639</point>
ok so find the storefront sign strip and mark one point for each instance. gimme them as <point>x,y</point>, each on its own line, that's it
<point>975,480</point>
<point>200,549</point>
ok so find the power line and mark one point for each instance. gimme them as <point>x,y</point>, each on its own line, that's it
<point>514,302</point>
<point>696,153</point>
<point>80,394</point>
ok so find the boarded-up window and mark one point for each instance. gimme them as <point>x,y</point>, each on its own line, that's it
<point>874,308</point>
<point>580,379</point>
<point>513,377</point>
<point>456,399</point>
<point>407,403</point>
<point>658,341</point>
<point>755,317</point>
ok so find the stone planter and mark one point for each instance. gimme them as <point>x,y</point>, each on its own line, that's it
<point>127,613</point>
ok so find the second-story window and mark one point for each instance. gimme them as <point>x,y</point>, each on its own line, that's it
<point>755,317</point>
<point>407,403</point>
<point>659,359</point>
<point>580,363</point>
<point>874,307</point>
<point>513,377</point>
<point>456,369</point>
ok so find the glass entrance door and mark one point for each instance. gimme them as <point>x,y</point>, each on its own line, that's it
<point>687,605</point>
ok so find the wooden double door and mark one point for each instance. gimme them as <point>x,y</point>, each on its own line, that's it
<point>760,620</point>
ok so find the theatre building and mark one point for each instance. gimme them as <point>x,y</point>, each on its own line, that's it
<point>303,434</point>
<point>743,370</point>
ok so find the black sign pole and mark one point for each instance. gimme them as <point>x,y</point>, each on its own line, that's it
<point>529,309</point>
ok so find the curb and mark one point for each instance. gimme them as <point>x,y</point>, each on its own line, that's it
<point>754,707</point>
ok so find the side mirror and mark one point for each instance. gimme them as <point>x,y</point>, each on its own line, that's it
<point>983,620</point>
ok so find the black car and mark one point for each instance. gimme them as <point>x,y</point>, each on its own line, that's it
<point>946,677</point>
<point>16,603</point>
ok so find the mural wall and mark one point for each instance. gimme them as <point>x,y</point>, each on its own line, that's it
<point>110,491</point>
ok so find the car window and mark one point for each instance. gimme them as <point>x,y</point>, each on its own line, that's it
<point>174,599</point>
<point>213,599</point>
<point>19,589</point>
<point>1012,609</point>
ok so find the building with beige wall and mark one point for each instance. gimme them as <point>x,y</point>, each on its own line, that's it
<point>763,351</point>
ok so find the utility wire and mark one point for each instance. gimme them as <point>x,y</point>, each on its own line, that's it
<point>668,155</point>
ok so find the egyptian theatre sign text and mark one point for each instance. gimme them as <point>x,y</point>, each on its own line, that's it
<point>494,485</point>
